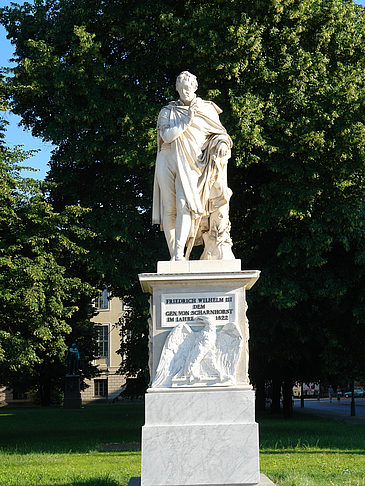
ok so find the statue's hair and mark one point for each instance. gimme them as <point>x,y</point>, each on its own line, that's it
<point>189,77</point>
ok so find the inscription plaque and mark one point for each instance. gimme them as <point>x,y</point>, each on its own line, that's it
<point>177,308</point>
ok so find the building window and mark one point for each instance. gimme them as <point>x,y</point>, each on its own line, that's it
<point>100,388</point>
<point>102,341</point>
<point>102,301</point>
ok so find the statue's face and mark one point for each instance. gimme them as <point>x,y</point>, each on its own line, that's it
<point>186,91</point>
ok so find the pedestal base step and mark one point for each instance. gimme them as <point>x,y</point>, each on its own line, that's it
<point>200,439</point>
<point>264,481</point>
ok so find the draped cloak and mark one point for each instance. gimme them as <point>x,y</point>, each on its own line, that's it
<point>193,150</point>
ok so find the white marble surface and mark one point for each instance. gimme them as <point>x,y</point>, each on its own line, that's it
<point>199,266</point>
<point>200,438</point>
<point>207,356</point>
<point>218,454</point>
<point>210,279</point>
<point>244,387</point>
<point>162,286</point>
<point>192,206</point>
<point>205,437</point>
<point>200,407</point>
<point>265,481</point>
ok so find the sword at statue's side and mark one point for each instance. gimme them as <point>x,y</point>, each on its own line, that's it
<point>192,240</point>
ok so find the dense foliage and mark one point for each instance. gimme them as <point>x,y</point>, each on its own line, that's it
<point>40,299</point>
<point>91,76</point>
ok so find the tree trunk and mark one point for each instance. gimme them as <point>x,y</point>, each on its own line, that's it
<point>276,391</point>
<point>260,395</point>
<point>288,398</point>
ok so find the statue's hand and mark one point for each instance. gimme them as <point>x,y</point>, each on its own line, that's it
<point>222,150</point>
<point>192,111</point>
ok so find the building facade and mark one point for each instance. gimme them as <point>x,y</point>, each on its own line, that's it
<point>108,384</point>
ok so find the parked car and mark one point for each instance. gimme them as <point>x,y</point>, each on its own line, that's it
<point>359,391</point>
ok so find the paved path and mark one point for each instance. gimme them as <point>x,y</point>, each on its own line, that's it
<point>335,409</point>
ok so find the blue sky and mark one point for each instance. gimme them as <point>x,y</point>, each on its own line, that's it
<point>17,135</point>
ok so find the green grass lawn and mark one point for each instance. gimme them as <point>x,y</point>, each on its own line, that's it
<point>56,447</point>
<point>311,451</point>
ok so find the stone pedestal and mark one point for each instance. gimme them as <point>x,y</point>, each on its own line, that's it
<point>199,432</point>
<point>196,437</point>
<point>72,398</point>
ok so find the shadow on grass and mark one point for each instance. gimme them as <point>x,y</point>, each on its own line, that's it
<point>56,430</point>
<point>104,427</point>
<point>90,482</point>
<point>309,434</point>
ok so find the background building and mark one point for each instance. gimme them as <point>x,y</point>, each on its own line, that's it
<point>107,385</point>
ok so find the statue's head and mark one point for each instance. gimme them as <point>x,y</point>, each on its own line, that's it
<point>186,85</point>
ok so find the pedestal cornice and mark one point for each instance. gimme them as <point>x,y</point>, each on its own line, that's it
<point>245,278</point>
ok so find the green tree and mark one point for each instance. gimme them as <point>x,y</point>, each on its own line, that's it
<point>40,300</point>
<point>91,77</point>
<point>302,110</point>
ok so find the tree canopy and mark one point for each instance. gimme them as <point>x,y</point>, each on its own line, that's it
<point>38,294</point>
<point>91,77</point>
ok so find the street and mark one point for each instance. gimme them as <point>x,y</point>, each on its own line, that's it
<point>336,408</point>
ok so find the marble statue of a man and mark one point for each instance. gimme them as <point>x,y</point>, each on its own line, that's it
<point>191,196</point>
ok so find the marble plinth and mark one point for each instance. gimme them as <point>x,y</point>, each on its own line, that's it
<point>204,407</point>
<point>199,266</point>
<point>200,438</point>
<point>202,432</point>
<point>202,281</point>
